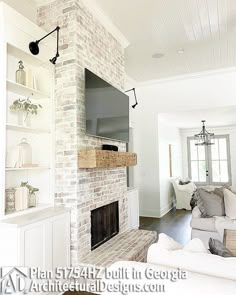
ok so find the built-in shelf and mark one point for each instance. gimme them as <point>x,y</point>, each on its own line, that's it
<point>27,57</point>
<point>26,91</point>
<point>27,168</point>
<point>19,128</point>
<point>26,211</point>
<point>106,159</point>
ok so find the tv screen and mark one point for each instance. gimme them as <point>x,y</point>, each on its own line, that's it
<point>107,109</point>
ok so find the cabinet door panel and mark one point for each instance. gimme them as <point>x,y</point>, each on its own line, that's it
<point>61,242</point>
<point>34,246</point>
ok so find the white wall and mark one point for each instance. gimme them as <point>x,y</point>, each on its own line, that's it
<point>168,134</point>
<point>209,90</point>
<point>146,173</point>
<point>218,131</point>
<point>26,7</point>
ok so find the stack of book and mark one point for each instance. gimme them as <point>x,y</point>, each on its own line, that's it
<point>21,198</point>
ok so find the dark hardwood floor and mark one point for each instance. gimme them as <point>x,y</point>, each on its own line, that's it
<point>175,224</point>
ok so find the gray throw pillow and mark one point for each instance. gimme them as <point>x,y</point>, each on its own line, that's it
<point>196,201</point>
<point>219,191</point>
<point>216,247</point>
<point>181,182</point>
<point>213,204</point>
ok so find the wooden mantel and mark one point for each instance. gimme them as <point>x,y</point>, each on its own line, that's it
<point>106,159</point>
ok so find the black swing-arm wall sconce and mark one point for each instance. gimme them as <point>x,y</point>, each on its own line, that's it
<point>136,102</point>
<point>34,45</point>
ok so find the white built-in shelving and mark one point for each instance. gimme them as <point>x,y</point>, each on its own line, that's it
<point>26,91</point>
<point>14,39</point>
<point>19,128</point>
<point>27,169</point>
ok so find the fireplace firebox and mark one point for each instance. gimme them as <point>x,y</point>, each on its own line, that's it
<point>104,224</point>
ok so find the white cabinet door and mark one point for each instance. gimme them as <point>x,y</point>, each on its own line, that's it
<point>35,250</point>
<point>34,245</point>
<point>60,242</point>
<point>46,244</point>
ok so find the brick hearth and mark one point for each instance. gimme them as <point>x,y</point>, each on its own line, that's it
<point>130,245</point>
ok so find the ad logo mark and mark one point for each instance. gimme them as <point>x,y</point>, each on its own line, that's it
<point>13,280</point>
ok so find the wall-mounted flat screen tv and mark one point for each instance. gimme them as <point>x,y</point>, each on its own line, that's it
<point>107,109</point>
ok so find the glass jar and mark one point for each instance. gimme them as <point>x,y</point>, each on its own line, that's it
<point>20,74</point>
<point>24,154</point>
<point>32,202</point>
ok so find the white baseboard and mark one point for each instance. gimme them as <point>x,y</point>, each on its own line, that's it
<point>149,213</point>
<point>167,209</point>
<point>158,214</point>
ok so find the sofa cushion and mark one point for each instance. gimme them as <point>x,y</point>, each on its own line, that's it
<point>166,242</point>
<point>230,204</point>
<point>213,204</point>
<point>218,248</point>
<point>196,246</point>
<point>205,224</point>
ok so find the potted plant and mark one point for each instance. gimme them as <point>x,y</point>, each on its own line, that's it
<point>24,107</point>
<point>32,200</point>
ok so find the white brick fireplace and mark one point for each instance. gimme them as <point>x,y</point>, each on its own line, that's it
<point>84,43</point>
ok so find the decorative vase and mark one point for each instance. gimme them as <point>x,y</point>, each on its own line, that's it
<point>24,119</point>
<point>32,201</point>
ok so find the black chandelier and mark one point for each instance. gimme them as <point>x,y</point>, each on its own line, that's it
<point>204,137</point>
<point>136,102</point>
<point>34,46</point>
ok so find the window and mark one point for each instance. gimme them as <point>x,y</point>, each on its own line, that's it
<point>210,164</point>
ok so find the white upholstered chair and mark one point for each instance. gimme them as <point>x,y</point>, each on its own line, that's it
<point>183,194</point>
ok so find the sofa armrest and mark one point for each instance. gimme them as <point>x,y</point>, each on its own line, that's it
<point>201,263</point>
<point>196,213</point>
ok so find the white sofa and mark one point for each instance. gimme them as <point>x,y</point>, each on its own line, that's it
<point>183,194</point>
<point>206,273</point>
<point>206,228</point>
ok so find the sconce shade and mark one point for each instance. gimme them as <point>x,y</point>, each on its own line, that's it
<point>34,47</point>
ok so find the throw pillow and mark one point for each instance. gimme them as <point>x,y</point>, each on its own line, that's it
<point>219,191</point>
<point>230,204</point>
<point>181,182</point>
<point>218,248</point>
<point>196,246</point>
<point>196,201</point>
<point>213,204</point>
<point>166,242</point>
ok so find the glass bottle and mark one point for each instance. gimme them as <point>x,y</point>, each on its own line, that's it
<point>20,74</point>
<point>25,154</point>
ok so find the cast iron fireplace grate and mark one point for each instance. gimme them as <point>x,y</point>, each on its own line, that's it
<point>104,224</point>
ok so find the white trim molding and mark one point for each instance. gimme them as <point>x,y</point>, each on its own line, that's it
<point>187,76</point>
<point>101,17</point>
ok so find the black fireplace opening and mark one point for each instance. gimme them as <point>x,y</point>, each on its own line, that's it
<point>104,224</point>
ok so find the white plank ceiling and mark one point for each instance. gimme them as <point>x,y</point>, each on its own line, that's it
<point>204,29</point>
